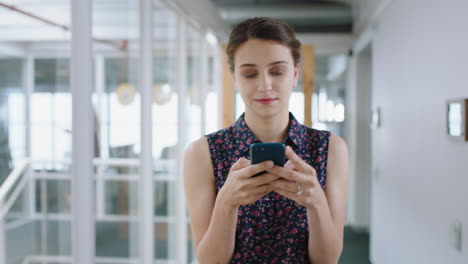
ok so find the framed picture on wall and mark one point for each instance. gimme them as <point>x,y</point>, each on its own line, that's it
<point>457,113</point>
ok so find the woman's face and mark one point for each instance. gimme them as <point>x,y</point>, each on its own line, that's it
<point>264,74</point>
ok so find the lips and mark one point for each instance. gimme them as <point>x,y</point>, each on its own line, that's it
<point>266,100</point>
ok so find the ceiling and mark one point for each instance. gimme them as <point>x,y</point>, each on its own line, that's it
<point>305,16</point>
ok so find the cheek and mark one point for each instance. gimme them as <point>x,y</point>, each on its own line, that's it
<point>285,84</point>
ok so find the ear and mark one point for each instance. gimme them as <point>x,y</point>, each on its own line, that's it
<point>233,80</point>
<point>296,73</point>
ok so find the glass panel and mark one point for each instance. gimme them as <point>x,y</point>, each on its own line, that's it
<point>194,94</point>
<point>116,239</point>
<point>119,199</point>
<point>211,112</point>
<point>116,105</point>
<point>165,125</point>
<point>296,105</point>
<point>123,108</point>
<point>53,196</point>
<point>161,242</point>
<point>161,198</point>
<point>12,125</point>
<point>51,110</point>
<point>35,122</point>
<point>214,75</point>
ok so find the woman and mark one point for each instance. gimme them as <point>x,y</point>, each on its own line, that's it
<point>285,215</point>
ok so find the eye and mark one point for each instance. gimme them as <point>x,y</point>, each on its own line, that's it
<point>249,74</point>
<point>276,73</point>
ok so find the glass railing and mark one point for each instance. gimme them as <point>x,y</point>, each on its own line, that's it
<point>35,219</point>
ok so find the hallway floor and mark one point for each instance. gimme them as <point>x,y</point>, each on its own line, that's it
<point>356,247</point>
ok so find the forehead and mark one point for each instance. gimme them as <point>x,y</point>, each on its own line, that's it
<point>262,52</point>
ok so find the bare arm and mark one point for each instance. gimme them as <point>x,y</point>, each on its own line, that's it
<point>325,211</point>
<point>213,225</point>
<point>326,219</point>
<point>213,217</point>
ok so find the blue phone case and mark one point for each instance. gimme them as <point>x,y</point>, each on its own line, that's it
<point>260,152</point>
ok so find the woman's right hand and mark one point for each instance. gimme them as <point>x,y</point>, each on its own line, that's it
<point>241,188</point>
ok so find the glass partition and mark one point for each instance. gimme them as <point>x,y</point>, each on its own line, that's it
<point>116,102</point>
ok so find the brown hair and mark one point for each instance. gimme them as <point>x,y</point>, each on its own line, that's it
<point>264,28</point>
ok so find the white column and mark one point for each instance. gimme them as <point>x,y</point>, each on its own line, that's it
<point>203,79</point>
<point>146,226</point>
<point>28,84</point>
<point>217,72</point>
<point>99,80</point>
<point>181,219</point>
<point>350,135</point>
<point>83,226</point>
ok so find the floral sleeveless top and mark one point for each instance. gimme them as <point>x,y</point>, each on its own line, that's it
<point>274,229</point>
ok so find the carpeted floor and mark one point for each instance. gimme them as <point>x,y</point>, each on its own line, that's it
<point>356,247</point>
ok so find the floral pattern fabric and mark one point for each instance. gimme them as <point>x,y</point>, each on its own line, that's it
<point>274,229</point>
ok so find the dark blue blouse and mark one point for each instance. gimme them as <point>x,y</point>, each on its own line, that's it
<point>274,229</point>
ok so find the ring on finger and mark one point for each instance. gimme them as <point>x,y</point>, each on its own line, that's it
<point>299,188</point>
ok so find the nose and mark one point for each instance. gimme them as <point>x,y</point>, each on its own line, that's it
<point>264,83</point>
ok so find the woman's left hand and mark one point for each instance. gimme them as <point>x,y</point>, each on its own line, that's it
<point>298,175</point>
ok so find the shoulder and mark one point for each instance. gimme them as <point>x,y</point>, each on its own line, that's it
<point>337,144</point>
<point>197,160</point>
<point>337,153</point>
<point>197,149</point>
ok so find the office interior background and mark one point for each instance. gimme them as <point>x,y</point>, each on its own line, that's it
<point>107,94</point>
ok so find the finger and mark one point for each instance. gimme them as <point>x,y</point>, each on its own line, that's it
<point>264,179</point>
<point>261,194</point>
<point>263,188</point>
<point>287,174</point>
<point>289,165</point>
<point>248,171</point>
<point>240,164</point>
<point>291,195</point>
<point>300,164</point>
<point>284,185</point>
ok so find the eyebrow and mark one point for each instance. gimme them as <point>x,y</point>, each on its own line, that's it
<point>273,63</point>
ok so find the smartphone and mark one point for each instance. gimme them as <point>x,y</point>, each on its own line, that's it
<point>260,152</point>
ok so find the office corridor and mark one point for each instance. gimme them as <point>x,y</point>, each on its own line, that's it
<point>356,247</point>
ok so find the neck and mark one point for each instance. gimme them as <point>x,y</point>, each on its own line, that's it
<point>268,130</point>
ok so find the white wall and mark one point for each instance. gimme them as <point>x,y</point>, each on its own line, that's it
<point>358,136</point>
<point>420,60</point>
<point>363,10</point>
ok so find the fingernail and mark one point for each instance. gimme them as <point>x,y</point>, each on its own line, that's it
<point>269,164</point>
